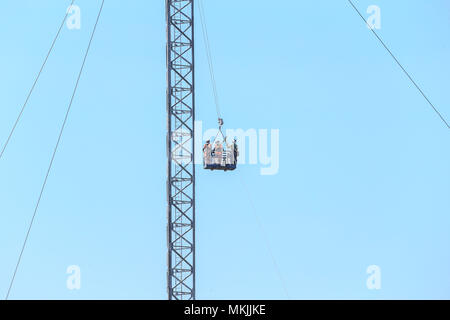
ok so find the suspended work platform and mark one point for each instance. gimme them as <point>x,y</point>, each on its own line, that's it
<point>218,158</point>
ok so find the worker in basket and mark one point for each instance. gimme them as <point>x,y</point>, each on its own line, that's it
<point>235,151</point>
<point>207,149</point>
<point>218,153</point>
<point>232,154</point>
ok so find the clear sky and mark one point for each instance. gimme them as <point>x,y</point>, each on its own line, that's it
<point>364,174</point>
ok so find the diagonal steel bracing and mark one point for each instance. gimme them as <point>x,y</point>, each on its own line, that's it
<point>180,150</point>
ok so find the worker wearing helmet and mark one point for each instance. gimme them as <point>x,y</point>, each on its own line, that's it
<point>207,153</point>
<point>235,151</point>
<point>229,155</point>
<point>218,153</point>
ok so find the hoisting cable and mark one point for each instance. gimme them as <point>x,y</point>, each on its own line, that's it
<point>56,149</point>
<point>400,65</point>
<point>209,57</point>
<point>216,98</point>
<point>265,238</point>
<point>211,68</point>
<point>34,84</point>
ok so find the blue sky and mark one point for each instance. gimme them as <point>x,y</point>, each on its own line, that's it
<point>364,174</point>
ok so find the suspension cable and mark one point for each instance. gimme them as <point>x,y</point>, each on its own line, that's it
<point>265,237</point>
<point>400,65</point>
<point>209,57</point>
<point>55,150</point>
<point>34,84</point>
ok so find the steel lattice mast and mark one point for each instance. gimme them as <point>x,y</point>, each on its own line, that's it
<point>180,149</point>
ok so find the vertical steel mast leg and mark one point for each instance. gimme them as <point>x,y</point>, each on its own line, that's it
<point>180,150</point>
